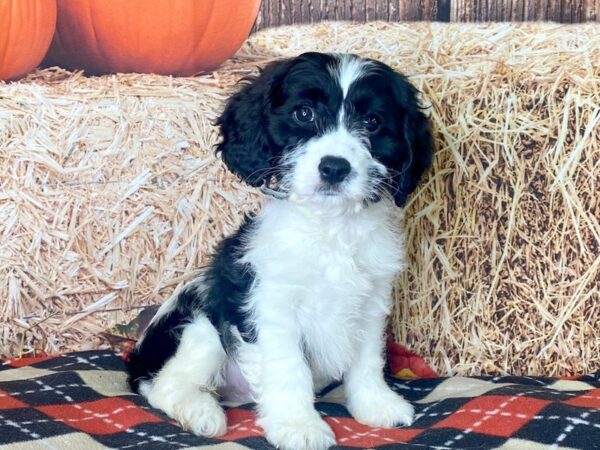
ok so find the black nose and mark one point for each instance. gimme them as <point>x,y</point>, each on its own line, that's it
<point>333,169</point>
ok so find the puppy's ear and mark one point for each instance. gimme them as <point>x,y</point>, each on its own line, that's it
<point>418,141</point>
<point>246,146</point>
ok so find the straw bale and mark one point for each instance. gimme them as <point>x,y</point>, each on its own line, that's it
<point>111,197</point>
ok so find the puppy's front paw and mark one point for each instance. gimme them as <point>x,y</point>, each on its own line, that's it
<point>307,432</point>
<point>381,408</point>
<point>203,418</point>
<point>197,412</point>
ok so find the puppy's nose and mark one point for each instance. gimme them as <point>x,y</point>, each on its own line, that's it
<point>334,169</point>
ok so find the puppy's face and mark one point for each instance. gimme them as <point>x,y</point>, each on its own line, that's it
<point>327,130</point>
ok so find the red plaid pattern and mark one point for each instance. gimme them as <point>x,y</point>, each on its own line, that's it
<point>591,399</point>
<point>106,416</point>
<point>9,402</point>
<point>494,415</point>
<point>81,400</point>
<point>350,433</point>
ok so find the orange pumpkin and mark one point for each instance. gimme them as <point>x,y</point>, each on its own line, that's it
<point>179,37</point>
<point>26,29</point>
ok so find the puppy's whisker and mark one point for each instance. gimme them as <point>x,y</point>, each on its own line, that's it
<point>265,173</point>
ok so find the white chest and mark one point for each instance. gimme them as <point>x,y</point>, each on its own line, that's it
<point>334,273</point>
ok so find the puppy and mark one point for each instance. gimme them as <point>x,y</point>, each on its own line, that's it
<point>299,296</point>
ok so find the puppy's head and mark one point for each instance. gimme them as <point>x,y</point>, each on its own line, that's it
<point>327,129</point>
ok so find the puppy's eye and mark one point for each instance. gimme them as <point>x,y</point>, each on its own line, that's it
<point>371,123</point>
<point>304,114</point>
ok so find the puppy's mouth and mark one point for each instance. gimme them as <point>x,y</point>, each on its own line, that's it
<point>328,190</point>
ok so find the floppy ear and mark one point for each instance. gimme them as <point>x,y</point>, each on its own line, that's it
<point>418,141</point>
<point>246,146</point>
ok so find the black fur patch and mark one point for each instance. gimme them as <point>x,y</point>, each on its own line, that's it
<point>225,287</point>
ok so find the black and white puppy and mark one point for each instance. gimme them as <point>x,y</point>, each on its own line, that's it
<point>299,296</point>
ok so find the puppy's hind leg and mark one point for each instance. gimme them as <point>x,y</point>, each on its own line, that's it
<point>185,387</point>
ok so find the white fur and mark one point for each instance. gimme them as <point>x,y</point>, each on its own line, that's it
<point>184,387</point>
<point>370,400</point>
<point>348,70</point>
<point>320,301</point>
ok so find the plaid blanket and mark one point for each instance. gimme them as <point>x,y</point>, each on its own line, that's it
<point>80,401</point>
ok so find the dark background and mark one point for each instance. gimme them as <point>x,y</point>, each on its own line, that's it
<point>286,12</point>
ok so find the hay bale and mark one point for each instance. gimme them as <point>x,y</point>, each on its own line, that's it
<point>110,195</point>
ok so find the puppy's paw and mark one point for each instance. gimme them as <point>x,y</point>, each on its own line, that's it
<point>198,412</point>
<point>381,408</point>
<point>307,432</point>
<point>204,417</point>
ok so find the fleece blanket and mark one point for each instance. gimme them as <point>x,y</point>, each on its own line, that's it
<point>81,401</point>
